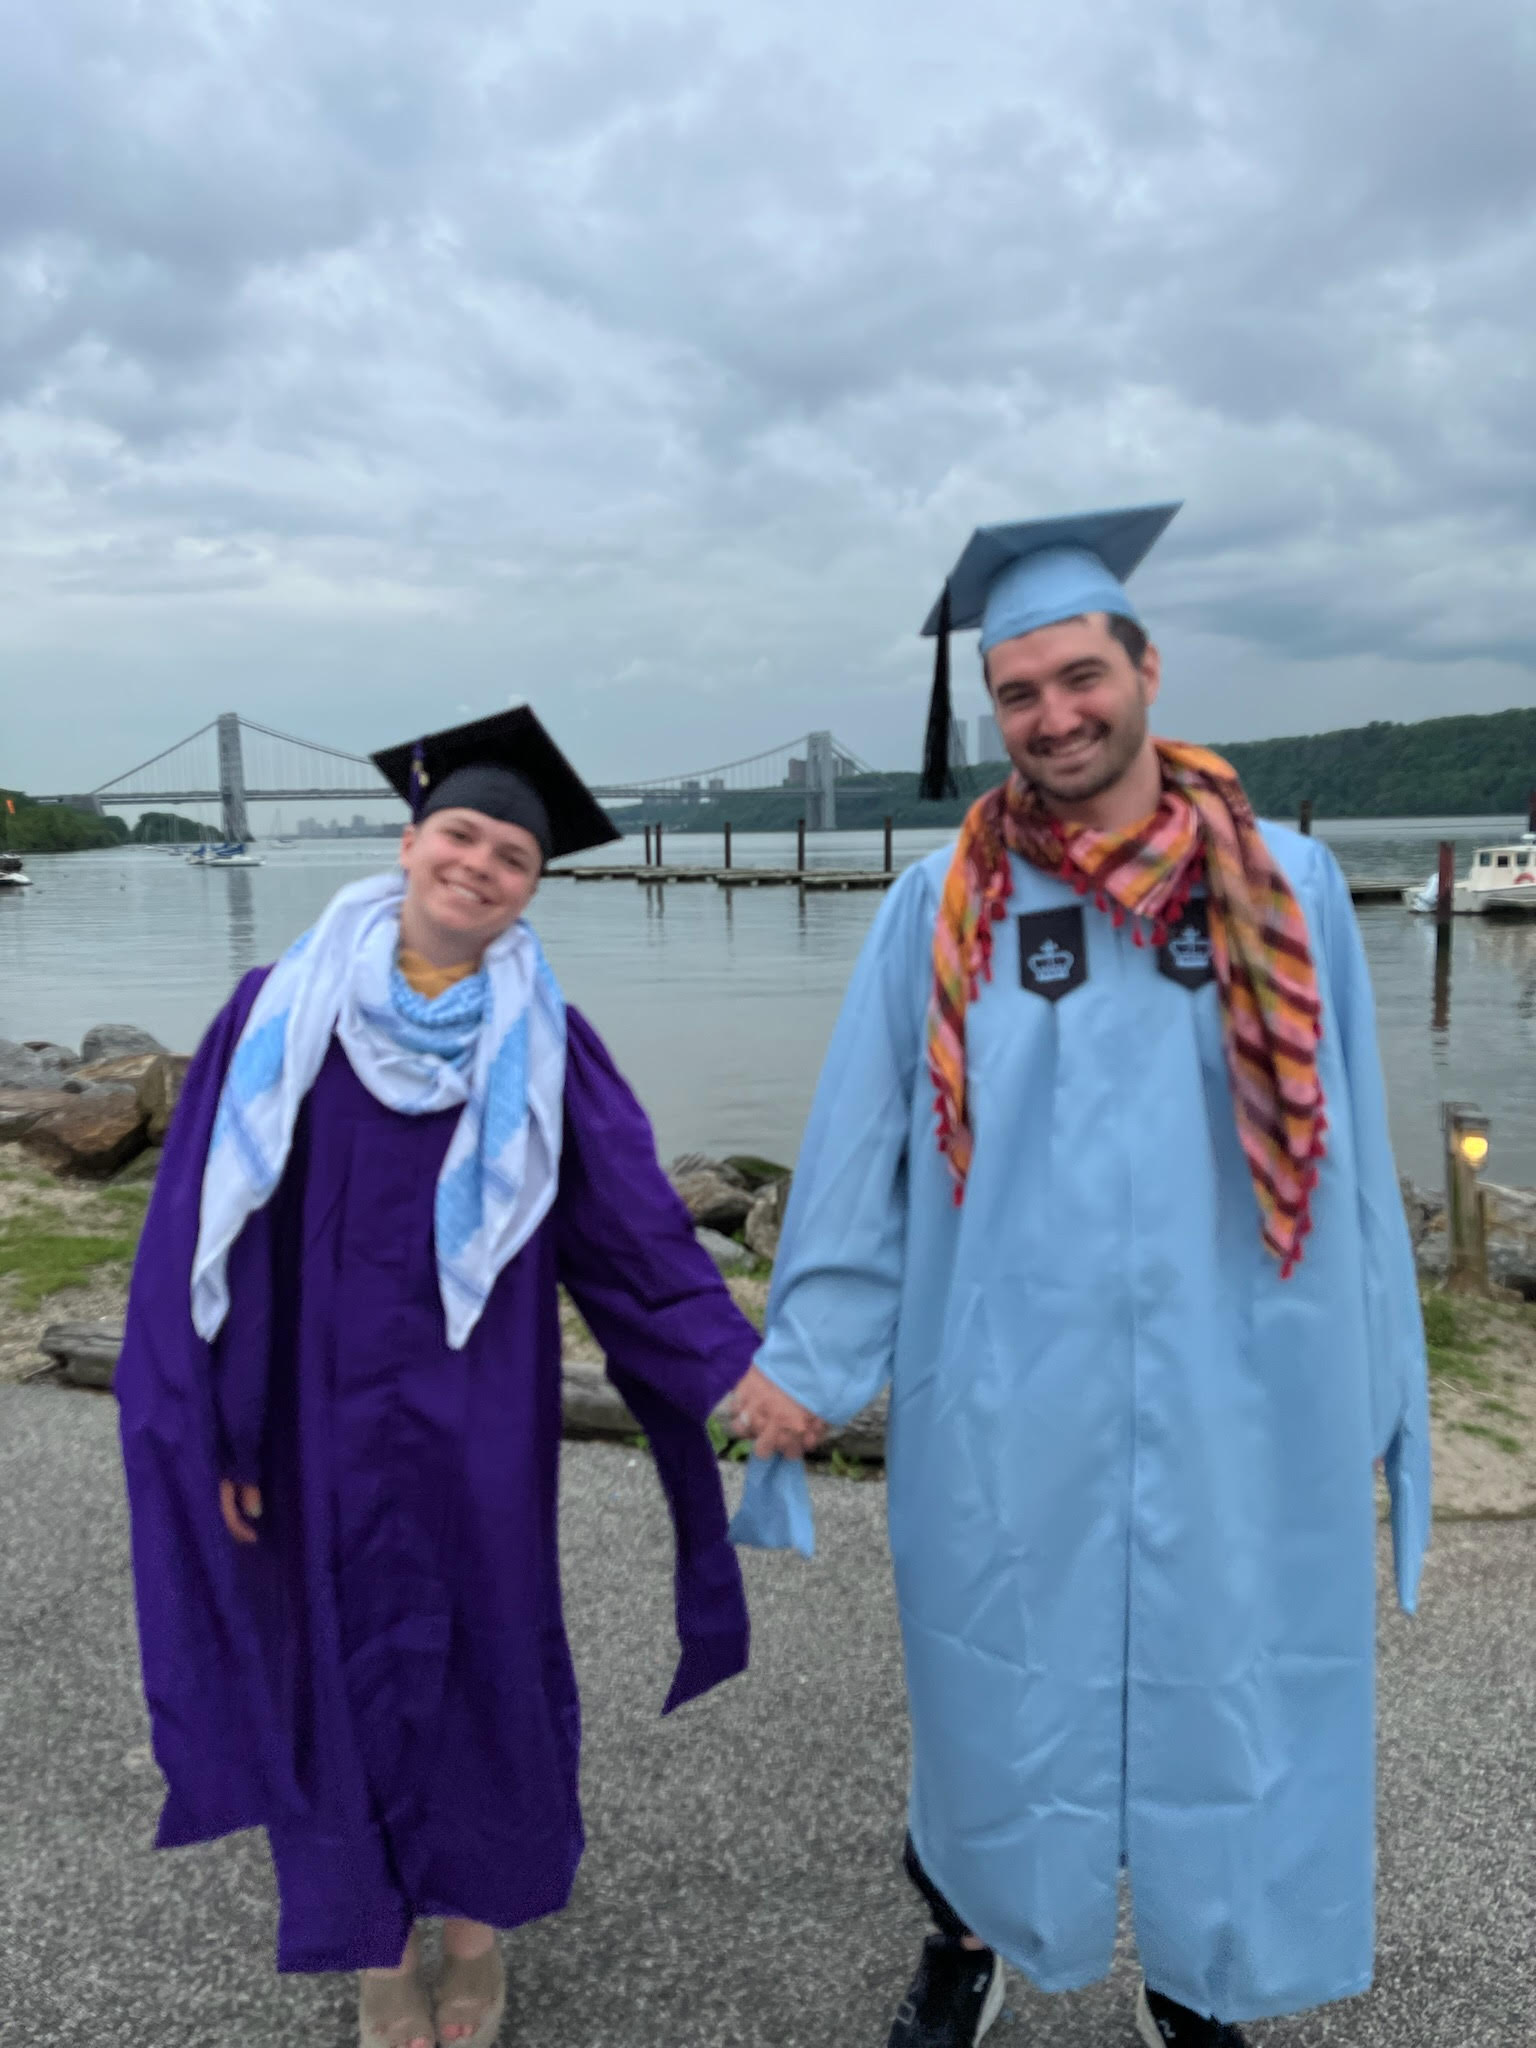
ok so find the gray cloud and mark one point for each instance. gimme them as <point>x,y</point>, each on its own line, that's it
<point>354,364</point>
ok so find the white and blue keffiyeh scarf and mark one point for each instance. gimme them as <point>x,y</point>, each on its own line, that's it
<point>494,1043</point>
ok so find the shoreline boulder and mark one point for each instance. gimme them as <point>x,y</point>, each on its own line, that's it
<point>93,1136</point>
<point>54,1059</point>
<point>765,1219</point>
<point>113,1041</point>
<point>714,1197</point>
<point>20,1109</point>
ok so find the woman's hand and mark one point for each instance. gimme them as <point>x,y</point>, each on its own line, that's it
<point>240,1506</point>
<point>775,1421</point>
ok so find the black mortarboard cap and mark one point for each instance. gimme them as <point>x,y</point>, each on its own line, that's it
<point>497,765</point>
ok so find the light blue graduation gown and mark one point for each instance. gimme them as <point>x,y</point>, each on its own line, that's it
<point>1129,1468</point>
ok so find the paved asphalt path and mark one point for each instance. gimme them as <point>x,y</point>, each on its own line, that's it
<point>741,1887</point>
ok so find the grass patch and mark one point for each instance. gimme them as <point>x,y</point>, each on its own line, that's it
<point>1507,1409</point>
<point>734,1449</point>
<point>43,1260</point>
<point>1509,1444</point>
<point>1452,1346</point>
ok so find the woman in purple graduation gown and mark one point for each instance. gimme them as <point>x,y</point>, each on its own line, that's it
<point>340,1396</point>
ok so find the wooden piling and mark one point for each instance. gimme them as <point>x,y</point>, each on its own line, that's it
<point>648,861</point>
<point>889,866</point>
<point>1445,885</point>
<point>800,846</point>
<point>1304,822</point>
<point>727,843</point>
<point>658,843</point>
<point>1530,812</point>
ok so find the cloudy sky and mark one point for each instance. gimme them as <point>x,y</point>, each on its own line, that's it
<point>366,365</point>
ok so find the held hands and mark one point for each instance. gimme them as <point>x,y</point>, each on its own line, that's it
<point>240,1506</point>
<point>774,1420</point>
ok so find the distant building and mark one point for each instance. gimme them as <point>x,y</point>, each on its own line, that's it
<point>989,741</point>
<point>796,777</point>
<point>956,744</point>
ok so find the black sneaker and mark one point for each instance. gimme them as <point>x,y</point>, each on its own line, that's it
<point>955,1996</point>
<point>1162,2024</point>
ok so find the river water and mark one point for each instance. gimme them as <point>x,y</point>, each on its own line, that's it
<point>718,1003</point>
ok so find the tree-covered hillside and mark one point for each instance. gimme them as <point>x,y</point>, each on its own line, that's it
<point>53,828</point>
<point>1444,767</point>
<point>1454,767</point>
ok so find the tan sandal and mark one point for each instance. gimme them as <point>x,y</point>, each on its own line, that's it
<point>472,1994</point>
<point>392,2011</point>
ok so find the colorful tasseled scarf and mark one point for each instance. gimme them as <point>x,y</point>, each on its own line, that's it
<point>1203,828</point>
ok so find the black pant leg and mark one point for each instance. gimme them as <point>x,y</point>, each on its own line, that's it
<point>945,1918</point>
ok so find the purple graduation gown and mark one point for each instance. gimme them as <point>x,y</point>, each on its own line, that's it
<point>383,1681</point>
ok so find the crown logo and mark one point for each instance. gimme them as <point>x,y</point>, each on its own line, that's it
<point>1052,963</point>
<point>1191,950</point>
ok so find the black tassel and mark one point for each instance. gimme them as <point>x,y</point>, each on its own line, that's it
<point>419,779</point>
<point>938,778</point>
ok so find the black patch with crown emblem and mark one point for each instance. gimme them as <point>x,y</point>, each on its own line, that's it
<point>1053,954</point>
<point>1186,955</point>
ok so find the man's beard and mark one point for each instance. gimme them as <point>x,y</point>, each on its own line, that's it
<point>1123,743</point>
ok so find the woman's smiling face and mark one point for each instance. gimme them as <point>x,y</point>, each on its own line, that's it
<point>468,879</point>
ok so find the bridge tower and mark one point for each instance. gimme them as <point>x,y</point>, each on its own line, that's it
<point>232,778</point>
<point>820,783</point>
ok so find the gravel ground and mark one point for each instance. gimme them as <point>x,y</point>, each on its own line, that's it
<point>741,1883</point>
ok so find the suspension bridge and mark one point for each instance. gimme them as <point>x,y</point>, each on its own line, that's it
<point>235,762</point>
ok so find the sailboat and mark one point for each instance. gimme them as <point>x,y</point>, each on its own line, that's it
<point>13,874</point>
<point>233,854</point>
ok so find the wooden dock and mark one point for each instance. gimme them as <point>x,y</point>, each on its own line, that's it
<point>1367,889</point>
<point>1377,889</point>
<point>731,878</point>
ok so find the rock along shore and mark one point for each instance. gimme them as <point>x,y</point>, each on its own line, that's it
<point>81,1124</point>
<point>96,1117</point>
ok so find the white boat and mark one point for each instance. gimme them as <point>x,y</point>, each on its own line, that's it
<point>231,856</point>
<point>12,874</point>
<point>1500,881</point>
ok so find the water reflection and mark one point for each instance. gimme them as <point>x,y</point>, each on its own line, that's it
<point>242,922</point>
<point>1440,1014</point>
<point>718,1003</point>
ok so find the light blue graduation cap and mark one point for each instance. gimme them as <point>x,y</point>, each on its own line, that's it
<point>1012,579</point>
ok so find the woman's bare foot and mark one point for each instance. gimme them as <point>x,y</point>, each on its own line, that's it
<point>392,2008</point>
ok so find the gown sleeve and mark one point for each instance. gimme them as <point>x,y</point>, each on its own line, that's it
<point>179,1416</point>
<point>1398,1364</point>
<point>835,1298</point>
<point>836,1294</point>
<point>674,1340</point>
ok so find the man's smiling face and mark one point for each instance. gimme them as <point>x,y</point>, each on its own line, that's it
<point>1072,707</point>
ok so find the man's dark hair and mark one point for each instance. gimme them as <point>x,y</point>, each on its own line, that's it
<point>1132,638</point>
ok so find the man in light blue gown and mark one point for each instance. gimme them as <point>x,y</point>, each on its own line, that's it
<point>1098,1180</point>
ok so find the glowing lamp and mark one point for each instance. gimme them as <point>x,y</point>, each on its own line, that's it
<point>1473,1146</point>
<point>1466,1152</point>
<point>1466,1130</point>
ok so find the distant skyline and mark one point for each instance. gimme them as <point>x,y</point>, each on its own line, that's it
<point>362,370</point>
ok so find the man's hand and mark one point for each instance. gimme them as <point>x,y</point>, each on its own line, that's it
<point>775,1421</point>
<point>240,1506</point>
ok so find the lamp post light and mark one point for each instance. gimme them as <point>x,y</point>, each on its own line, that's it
<point>1466,1151</point>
